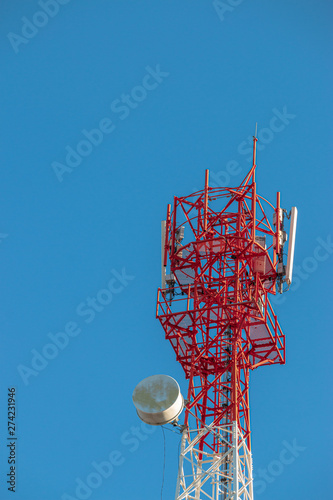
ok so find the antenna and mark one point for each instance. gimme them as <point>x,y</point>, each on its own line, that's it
<point>291,246</point>
<point>163,268</point>
<point>158,400</point>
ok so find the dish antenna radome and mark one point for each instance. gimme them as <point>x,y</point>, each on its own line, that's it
<point>158,400</point>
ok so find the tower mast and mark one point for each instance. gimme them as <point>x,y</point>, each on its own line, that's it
<point>223,255</point>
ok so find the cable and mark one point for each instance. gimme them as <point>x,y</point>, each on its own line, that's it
<point>170,430</point>
<point>163,463</point>
<point>179,450</point>
<point>175,432</point>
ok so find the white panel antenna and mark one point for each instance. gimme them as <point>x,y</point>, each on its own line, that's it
<point>291,246</point>
<point>163,268</point>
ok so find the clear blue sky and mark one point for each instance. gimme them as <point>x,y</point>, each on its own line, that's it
<point>173,88</point>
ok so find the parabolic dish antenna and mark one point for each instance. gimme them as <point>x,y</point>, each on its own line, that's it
<point>158,399</point>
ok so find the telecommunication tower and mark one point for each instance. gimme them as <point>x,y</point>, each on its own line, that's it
<point>222,257</point>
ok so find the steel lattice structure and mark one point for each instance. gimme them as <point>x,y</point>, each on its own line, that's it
<point>225,259</point>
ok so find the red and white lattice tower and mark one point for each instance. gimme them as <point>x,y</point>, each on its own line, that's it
<point>224,259</point>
